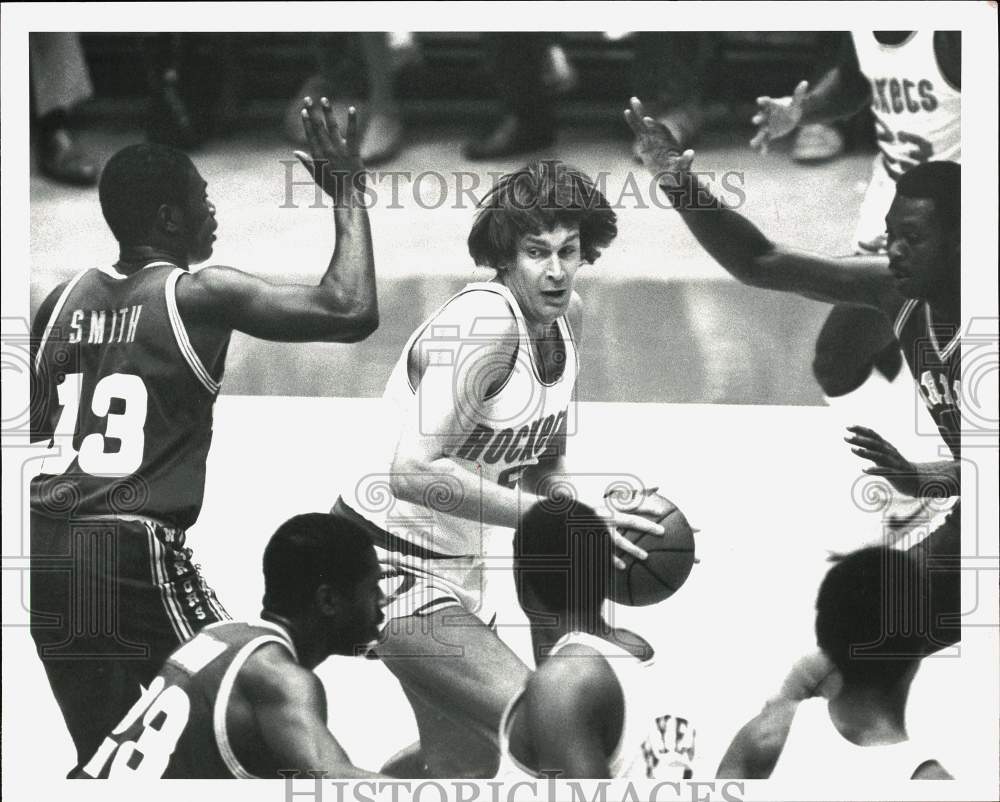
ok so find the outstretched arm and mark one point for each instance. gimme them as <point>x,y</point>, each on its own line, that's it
<point>755,750</point>
<point>741,248</point>
<point>289,708</point>
<point>343,307</point>
<point>840,93</point>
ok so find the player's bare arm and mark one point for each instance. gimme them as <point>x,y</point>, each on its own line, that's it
<point>839,93</point>
<point>453,376</point>
<point>343,307</point>
<point>917,479</point>
<point>574,708</point>
<point>741,248</point>
<point>289,713</point>
<point>755,750</point>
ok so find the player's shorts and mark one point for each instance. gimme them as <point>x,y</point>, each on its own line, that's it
<point>417,581</point>
<point>874,207</point>
<point>111,598</point>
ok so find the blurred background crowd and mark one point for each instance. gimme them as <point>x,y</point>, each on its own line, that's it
<point>513,92</point>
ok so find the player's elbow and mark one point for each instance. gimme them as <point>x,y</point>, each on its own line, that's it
<point>362,325</point>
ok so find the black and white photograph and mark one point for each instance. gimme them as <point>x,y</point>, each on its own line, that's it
<point>500,402</point>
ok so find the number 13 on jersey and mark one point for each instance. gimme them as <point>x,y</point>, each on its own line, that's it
<point>121,400</point>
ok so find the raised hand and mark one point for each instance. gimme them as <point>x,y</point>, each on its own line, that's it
<point>623,512</point>
<point>777,117</point>
<point>657,147</point>
<point>334,162</point>
<point>902,474</point>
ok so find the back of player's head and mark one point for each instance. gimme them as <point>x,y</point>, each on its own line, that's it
<point>562,560</point>
<point>310,550</point>
<point>136,181</point>
<point>868,615</point>
<point>940,182</point>
<point>537,198</point>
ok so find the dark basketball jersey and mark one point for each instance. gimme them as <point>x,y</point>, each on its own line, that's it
<point>934,354</point>
<point>125,399</point>
<point>178,728</point>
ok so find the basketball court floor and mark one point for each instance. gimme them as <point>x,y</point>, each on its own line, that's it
<point>689,381</point>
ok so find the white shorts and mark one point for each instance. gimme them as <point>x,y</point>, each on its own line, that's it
<point>418,582</point>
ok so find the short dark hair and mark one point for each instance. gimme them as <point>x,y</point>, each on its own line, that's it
<point>940,182</point>
<point>310,550</point>
<point>136,181</point>
<point>563,554</point>
<point>869,612</point>
<point>536,198</point>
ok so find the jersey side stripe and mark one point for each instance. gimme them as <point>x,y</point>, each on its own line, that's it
<point>181,336</point>
<point>222,704</point>
<point>903,316</point>
<point>55,315</point>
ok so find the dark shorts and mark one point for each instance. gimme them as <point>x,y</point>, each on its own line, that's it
<point>110,600</point>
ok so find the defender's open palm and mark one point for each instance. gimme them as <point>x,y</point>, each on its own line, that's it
<point>889,463</point>
<point>777,117</point>
<point>657,147</point>
<point>335,162</point>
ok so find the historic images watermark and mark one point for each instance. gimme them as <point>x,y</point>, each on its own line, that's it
<point>430,190</point>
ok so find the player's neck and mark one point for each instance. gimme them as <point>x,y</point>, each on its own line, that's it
<point>309,645</point>
<point>135,257</point>
<point>865,715</point>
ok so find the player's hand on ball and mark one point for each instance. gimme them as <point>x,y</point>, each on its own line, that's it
<point>659,150</point>
<point>623,513</point>
<point>889,463</point>
<point>334,161</point>
<point>777,117</point>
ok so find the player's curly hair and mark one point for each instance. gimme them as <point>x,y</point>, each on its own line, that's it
<point>136,181</point>
<point>310,550</point>
<point>869,612</point>
<point>536,198</point>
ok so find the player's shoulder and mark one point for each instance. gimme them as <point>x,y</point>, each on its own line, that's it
<point>478,306</point>
<point>45,308</point>
<point>578,671</point>
<point>272,673</point>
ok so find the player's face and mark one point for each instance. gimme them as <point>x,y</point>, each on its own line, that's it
<point>200,223</point>
<point>542,274</point>
<point>364,616</point>
<point>918,249</point>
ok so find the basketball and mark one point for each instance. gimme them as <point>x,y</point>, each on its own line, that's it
<point>671,556</point>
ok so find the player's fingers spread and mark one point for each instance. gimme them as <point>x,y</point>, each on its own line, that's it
<point>865,431</point>
<point>331,120</point>
<point>875,456</point>
<point>758,141</point>
<point>619,563</point>
<point>758,118</point>
<point>309,124</point>
<point>637,108</point>
<point>800,90</point>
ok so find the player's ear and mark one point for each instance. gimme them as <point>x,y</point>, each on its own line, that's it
<point>169,218</point>
<point>327,601</point>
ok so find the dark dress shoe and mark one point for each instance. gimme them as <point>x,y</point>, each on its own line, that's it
<point>62,160</point>
<point>512,137</point>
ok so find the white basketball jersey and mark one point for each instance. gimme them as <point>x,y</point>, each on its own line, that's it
<point>499,437</point>
<point>917,111</point>
<point>658,738</point>
<point>814,749</point>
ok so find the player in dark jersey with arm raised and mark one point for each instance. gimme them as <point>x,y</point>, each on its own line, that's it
<point>240,699</point>
<point>916,286</point>
<point>127,365</point>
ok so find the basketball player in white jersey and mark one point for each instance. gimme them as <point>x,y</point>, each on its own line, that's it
<point>480,409</point>
<point>863,612</point>
<point>912,82</point>
<point>916,286</point>
<point>597,707</point>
